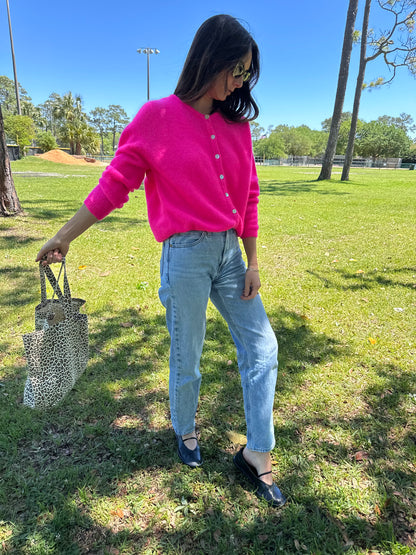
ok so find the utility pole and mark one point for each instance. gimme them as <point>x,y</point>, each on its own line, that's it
<point>16,83</point>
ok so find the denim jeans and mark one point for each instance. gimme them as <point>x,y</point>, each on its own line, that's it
<point>197,266</point>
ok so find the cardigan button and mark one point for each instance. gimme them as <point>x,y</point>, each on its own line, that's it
<point>234,211</point>
<point>221,176</point>
<point>217,156</point>
<point>212,136</point>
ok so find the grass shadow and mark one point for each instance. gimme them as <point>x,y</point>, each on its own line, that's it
<point>351,281</point>
<point>21,288</point>
<point>8,242</point>
<point>296,187</point>
<point>110,444</point>
<point>45,210</point>
<point>114,426</point>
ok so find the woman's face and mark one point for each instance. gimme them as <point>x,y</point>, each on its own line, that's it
<point>225,83</point>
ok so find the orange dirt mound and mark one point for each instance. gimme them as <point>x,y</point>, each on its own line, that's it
<point>62,157</point>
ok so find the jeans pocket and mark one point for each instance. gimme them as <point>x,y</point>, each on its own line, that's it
<point>187,240</point>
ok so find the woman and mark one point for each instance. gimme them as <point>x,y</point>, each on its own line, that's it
<point>194,150</point>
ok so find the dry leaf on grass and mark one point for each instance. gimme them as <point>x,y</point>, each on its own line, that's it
<point>118,512</point>
<point>361,456</point>
<point>235,437</point>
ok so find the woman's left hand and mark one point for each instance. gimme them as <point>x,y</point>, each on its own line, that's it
<point>252,285</point>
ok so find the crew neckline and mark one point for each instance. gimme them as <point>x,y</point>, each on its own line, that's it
<point>194,110</point>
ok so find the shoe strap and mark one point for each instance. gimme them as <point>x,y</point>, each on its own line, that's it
<point>188,438</point>
<point>264,473</point>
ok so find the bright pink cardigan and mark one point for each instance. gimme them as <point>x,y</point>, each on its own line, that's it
<point>200,171</point>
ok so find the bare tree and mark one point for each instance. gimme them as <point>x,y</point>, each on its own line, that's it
<point>340,95</point>
<point>398,48</point>
<point>9,202</point>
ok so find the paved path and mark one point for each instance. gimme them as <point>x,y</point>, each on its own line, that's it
<point>43,174</point>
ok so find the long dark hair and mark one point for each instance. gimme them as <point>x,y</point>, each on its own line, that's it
<point>219,44</point>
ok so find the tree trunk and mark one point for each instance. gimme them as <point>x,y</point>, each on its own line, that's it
<point>340,95</point>
<point>9,202</point>
<point>358,89</point>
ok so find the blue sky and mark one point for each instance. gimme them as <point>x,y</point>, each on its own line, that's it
<point>89,48</point>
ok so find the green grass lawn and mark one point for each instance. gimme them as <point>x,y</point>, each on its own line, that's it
<point>99,474</point>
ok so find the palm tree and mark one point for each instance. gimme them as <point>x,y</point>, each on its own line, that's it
<point>340,94</point>
<point>69,111</point>
<point>48,111</point>
<point>396,45</point>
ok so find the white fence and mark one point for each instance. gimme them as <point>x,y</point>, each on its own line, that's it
<point>338,161</point>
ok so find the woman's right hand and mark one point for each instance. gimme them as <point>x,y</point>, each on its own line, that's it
<point>57,247</point>
<point>52,251</point>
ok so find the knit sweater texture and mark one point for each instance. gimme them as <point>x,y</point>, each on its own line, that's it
<point>198,170</point>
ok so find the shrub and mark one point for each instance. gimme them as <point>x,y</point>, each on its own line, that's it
<point>46,141</point>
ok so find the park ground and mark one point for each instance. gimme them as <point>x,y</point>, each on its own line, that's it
<point>99,474</point>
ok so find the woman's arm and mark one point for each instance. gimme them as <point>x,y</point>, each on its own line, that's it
<point>57,247</point>
<point>252,283</point>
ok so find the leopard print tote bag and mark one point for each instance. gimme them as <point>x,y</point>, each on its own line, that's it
<point>57,351</point>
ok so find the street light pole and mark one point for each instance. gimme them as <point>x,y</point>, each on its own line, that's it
<point>16,84</point>
<point>148,75</point>
<point>148,51</point>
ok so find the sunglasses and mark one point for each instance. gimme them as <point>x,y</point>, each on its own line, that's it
<point>240,71</point>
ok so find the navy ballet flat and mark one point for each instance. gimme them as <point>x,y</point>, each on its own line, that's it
<point>271,493</point>
<point>190,457</point>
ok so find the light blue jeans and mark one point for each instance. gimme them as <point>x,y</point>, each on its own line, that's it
<point>194,267</point>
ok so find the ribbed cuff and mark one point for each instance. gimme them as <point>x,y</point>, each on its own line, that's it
<point>98,204</point>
